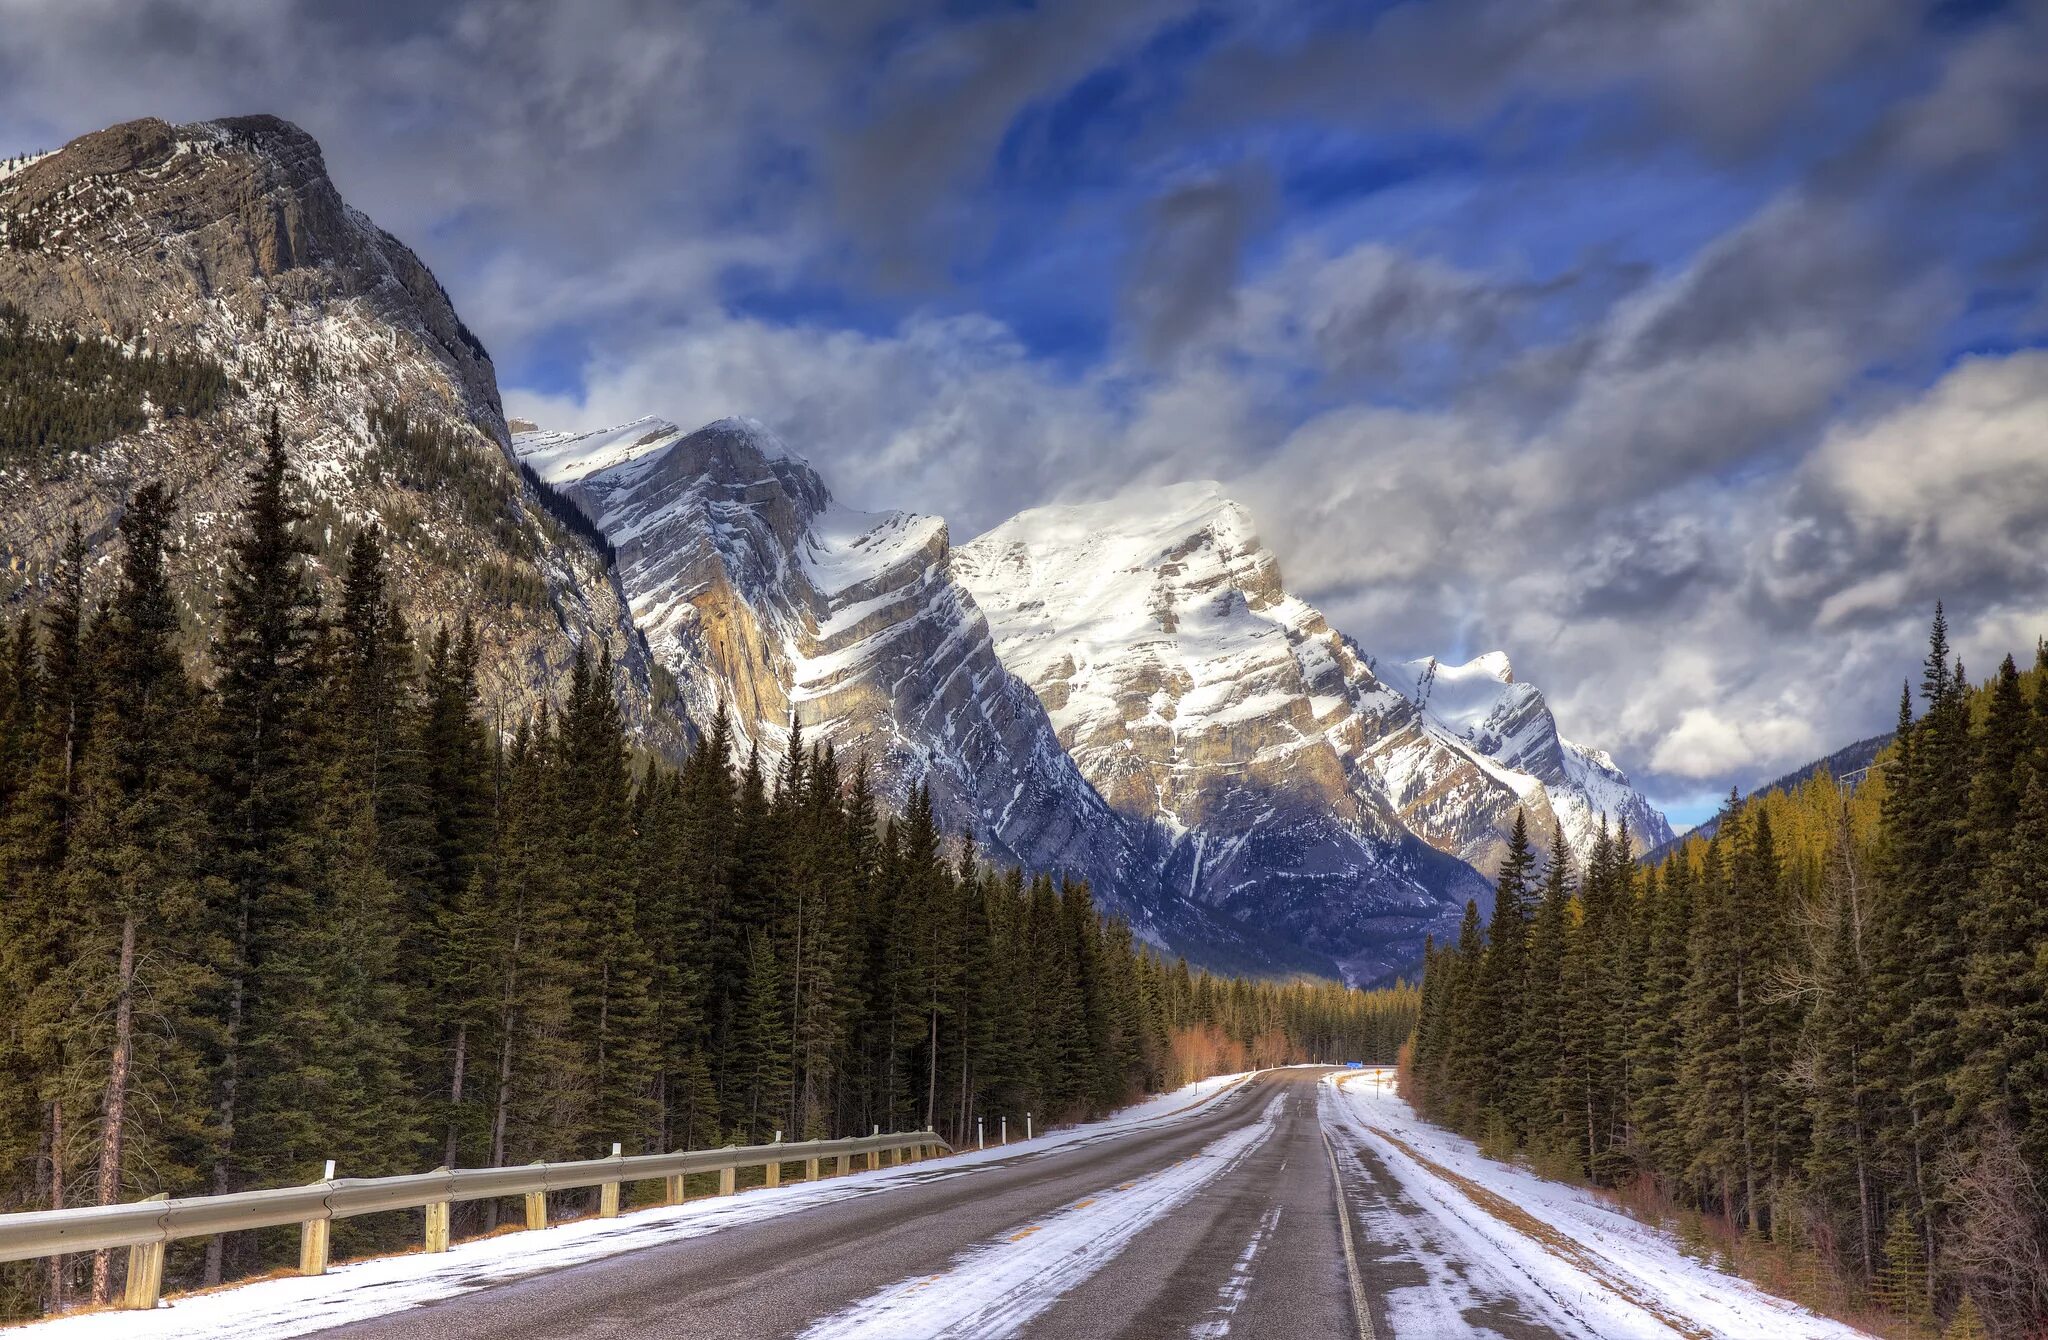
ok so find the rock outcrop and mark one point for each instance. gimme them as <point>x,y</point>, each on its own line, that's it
<point>228,238</point>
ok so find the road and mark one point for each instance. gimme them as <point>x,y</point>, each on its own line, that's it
<point>1220,1222</point>
<point>1286,1207</point>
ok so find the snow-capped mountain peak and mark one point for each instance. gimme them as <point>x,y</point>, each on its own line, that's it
<point>1480,706</point>
<point>1195,691</point>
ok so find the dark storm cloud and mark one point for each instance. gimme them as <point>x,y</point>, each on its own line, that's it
<point>1189,259</point>
<point>1723,74</point>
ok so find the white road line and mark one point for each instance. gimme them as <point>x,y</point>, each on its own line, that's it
<point>1358,1300</point>
<point>996,1288</point>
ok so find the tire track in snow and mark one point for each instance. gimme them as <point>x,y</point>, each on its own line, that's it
<point>996,1288</point>
<point>1232,1295</point>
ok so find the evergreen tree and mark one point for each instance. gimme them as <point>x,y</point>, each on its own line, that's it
<point>132,866</point>
<point>266,658</point>
<point>1501,1003</point>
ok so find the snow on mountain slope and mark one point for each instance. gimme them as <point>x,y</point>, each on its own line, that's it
<point>1480,706</point>
<point>1197,694</point>
<point>1194,691</point>
<point>761,595</point>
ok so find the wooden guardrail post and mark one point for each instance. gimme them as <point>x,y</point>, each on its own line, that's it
<point>842,1164</point>
<point>537,1206</point>
<point>674,1194</point>
<point>608,1195</point>
<point>810,1170</point>
<point>437,1226</point>
<point>145,1272</point>
<point>315,1235</point>
<point>728,1181</point>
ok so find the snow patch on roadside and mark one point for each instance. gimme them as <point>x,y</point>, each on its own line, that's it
<point>1632,1280</point>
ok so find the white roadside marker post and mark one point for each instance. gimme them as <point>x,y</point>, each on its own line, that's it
<point>979,1141</point>
<point>1006,1128</point>
<point>1027,1125</point>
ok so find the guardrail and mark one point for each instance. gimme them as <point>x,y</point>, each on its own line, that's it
<point>144,1227</point>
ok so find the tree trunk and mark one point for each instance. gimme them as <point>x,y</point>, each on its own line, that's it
<point>230,1085</point>
<point>455,1090</point>
<point>57,1197</point>
<point>114,1130</point>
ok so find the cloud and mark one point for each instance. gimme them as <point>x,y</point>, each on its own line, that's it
<point>1706,744</point>
<point>1187,270</point>
<point>1724,75</point>
<point>1634,339</point>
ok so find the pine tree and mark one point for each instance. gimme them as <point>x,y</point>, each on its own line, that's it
<point>138,955</point>
<point>2004,1029</point>
<point>1660,1036</point>
<point>266,658</point>
<point>1501,1003</point>
<point>1840,1162</point>
<point>1541,1054</point>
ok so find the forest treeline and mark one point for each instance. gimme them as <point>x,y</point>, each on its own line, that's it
<point>296,899</point>
<point>61,390</point>
<point>1827,1026</point>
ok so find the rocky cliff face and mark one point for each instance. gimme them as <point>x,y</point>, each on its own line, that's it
<point>763,597</point>
<point>229,238</point>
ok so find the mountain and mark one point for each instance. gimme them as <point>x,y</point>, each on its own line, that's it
<point>761,596</point>
<point>1123,692</point>
<point>1292,785</point>
<point>1200,697</point>
<point>1506,726</point>
<point>225,244</point>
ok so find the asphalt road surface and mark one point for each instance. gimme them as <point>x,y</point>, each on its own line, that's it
<point>1223,1222</point>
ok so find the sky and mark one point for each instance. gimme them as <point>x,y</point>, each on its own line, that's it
<point>1688,351</point>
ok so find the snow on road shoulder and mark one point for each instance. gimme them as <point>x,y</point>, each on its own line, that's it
<point>353,1291</point>
<point>996,1288</point>
<point>1615,1274</point>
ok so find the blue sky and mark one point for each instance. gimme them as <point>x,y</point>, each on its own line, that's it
<point>1687,351</point>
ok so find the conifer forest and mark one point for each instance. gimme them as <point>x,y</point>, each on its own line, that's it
<point>294,898</point>
<point>1825,1028</point>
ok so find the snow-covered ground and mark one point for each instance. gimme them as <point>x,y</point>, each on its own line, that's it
<point>277,1308</point>
<point>1488,1236</point>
